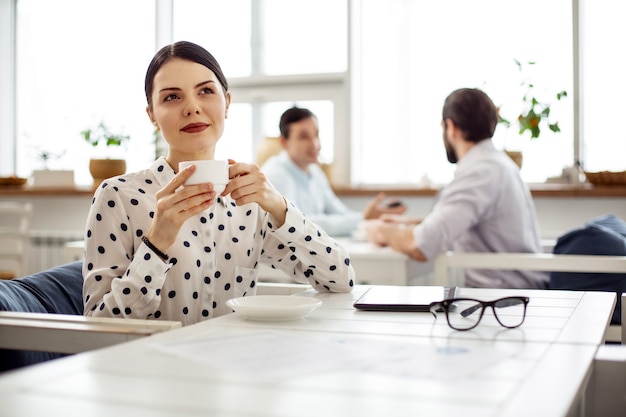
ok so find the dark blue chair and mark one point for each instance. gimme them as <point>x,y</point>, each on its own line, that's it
<point>605,235</point>
<point>57,291</point>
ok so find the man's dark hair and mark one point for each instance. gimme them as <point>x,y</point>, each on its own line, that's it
<point>292,115</point>
<point>473,112</point>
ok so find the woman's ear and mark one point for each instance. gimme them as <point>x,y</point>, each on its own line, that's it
<point>227,105</point>
<point>151,117</point>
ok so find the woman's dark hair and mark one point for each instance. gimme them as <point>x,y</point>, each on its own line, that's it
<point>292,115</point>
<point>184,50</point>
<point>473,112</point>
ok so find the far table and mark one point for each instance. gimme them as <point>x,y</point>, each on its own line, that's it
<point>373,265</point>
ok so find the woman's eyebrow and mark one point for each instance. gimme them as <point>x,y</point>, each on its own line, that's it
<point>200,84</point>
<point>203,83</point>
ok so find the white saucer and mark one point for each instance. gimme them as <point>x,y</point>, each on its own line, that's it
<point>273,307</point>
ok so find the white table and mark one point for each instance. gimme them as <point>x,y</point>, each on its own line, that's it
<point>336,362</point>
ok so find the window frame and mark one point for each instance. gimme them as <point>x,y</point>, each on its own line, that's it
<point>8,122</point>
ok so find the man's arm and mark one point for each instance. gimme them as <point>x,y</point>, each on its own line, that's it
<point>397,236</point>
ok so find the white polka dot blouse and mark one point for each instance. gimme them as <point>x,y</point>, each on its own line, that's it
<point>215,257</point>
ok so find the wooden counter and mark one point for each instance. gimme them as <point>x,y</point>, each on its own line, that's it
<point>537,190</point>
<point>28,190</point>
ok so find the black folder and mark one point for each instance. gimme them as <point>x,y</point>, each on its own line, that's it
<point>404,298</point>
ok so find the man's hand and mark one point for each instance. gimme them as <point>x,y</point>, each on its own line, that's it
<point>400,219</point>
<point>398,236</point>
<point>378,207</point>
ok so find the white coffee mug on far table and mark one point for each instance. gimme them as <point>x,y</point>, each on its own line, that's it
<point>213,171</point>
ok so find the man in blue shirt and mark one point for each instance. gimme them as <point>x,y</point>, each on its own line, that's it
<point>296,174</point>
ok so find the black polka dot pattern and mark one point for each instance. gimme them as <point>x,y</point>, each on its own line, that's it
<point>215,257</point>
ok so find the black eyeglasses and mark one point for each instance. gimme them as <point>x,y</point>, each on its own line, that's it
<point>466,313</point>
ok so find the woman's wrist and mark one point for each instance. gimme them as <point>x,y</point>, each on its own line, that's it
<point>279,212</point>
<point>154,249</point>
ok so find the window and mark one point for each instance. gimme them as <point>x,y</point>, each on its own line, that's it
<point>74,72</point>
<point>604,87</point>
<point>412,54</point>
<point>222,27</point>
<point>375,72</point>
<point>276,56</point>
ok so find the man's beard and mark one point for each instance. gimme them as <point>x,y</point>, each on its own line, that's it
<point>450,152</point>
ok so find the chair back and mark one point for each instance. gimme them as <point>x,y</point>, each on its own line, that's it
<point>57,291</point>
<point>605,235</point>
<point>14,236</point>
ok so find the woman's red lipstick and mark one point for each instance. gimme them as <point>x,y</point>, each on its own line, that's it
<point>194,127</point>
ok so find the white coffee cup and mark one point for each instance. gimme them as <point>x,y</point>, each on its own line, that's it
<point>213,171</point>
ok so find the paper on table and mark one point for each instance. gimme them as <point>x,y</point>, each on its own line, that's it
<point>276,354</point>
<point>267,354</point>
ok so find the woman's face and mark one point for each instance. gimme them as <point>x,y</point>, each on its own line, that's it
<point>189,107</point>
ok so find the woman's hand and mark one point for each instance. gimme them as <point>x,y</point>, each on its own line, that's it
<point>174,207</point>
<point>248,184</point>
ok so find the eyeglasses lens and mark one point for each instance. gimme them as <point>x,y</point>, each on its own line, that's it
<point>464,314</point>
<point>510,311</point>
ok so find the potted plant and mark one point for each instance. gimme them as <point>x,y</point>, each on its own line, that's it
<point>102,138</point>
<point>46,176</point>
<point>535,113</point>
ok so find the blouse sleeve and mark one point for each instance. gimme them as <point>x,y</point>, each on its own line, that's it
<point>118,265</point>
<point>305,252</point>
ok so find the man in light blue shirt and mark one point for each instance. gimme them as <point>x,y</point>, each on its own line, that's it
<point>296,175</point>
<point>486,208</point>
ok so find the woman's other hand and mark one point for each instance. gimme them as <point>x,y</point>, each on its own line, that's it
<point>248,184</point>
<point>175,205</point>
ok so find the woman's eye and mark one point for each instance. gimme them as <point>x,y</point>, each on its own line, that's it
<point>170,97</point>
<point>207,90</point>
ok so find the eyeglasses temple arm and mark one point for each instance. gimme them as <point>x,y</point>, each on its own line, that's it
<point>434,307</point>
<point>471,310</point>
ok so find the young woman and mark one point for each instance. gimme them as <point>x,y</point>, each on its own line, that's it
<point>156,249</point>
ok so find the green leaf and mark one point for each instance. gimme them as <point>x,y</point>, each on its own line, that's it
<point>101,134</point>
<point>534,132</point>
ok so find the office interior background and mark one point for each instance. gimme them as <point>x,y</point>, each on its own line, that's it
<point>375,72</point>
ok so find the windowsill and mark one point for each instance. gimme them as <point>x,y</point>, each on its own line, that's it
<point>537,190</point>
<point>28,190</point>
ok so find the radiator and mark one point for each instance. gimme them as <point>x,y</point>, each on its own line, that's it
<point>47,248</point>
